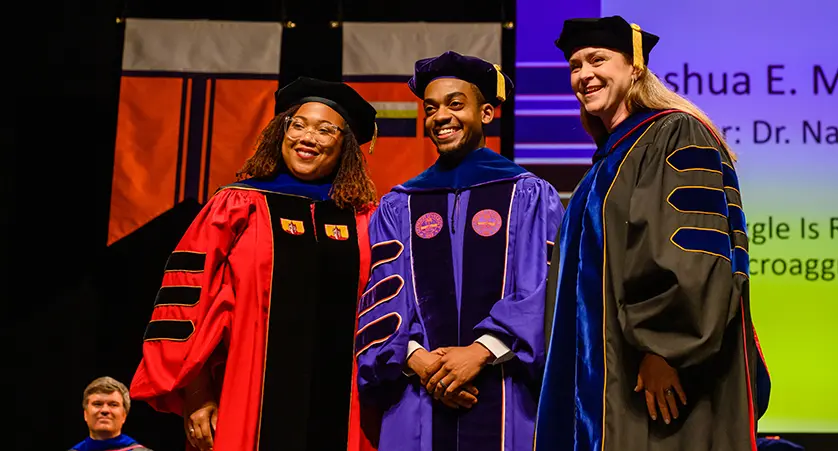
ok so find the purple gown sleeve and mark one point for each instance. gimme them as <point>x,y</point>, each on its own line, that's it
<point>386,311</point>
<point>518,318</point>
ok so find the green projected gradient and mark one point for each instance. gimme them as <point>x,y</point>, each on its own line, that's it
<point>795,309</point>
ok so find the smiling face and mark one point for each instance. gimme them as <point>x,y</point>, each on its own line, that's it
<point>313,141</point>
<point>601,79</point>
<point>455,115</point>
<point>105,414</point>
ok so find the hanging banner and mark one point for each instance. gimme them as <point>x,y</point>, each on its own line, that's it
<point>378,61</point>
<point>194,96</point>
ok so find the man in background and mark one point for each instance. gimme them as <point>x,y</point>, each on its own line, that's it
<point>106,404</point>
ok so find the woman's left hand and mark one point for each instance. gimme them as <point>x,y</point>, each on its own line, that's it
<point>661,383</point>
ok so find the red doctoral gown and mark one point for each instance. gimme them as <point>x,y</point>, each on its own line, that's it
<point>262,289</point>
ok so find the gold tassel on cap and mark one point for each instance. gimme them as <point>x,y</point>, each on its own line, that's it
<point>501,94</point>
<point>637,44</point>
<point>374,135</point>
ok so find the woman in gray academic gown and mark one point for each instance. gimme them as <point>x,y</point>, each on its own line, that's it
<point>652,345</point>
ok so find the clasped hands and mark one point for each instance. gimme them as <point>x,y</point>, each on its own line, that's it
<point>447,373</point>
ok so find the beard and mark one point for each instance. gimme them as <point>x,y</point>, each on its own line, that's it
<point>467,142</point>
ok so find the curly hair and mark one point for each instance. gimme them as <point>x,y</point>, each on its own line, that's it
<point>352,187</point>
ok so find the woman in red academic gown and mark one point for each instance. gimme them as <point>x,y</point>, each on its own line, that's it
<point>252,333</point>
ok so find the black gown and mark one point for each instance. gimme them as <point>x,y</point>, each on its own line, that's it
<point>652,257</point>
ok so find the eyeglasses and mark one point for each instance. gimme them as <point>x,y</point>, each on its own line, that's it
<point>324,133</point>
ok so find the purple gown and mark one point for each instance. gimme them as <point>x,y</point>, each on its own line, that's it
<point>458,254</point>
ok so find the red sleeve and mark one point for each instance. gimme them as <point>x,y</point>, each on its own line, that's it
<point>192,310</point>
<point>362,222</point>
<point>364,422</point>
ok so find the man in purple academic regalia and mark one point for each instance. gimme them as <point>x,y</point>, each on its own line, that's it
<point>450,343</point>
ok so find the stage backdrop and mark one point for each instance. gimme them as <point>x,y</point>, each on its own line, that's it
<point>767,73</point>
<point>378,59</point>
<point>194,96</point>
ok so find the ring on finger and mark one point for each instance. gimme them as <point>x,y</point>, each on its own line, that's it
<point>444,385</point>
<point>669,392</point>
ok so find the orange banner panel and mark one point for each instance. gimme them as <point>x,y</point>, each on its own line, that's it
<point>154,127</point>
<point>384,91</point>
<point>242,109</point>
<point>493,142</point>
<point>145,159</point>
<point>397,160</point>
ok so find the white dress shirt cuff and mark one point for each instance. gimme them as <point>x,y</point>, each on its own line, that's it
<point>412,346</point>
<point>499,349</point>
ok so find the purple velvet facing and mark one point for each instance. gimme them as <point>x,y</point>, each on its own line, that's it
<point>437,300</point>
<point>484,268</point>
<point>484,259</point>
<point>377,331</point>
<point>384,289</point>
<point>384,252</point>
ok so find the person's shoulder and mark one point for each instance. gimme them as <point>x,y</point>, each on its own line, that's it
<point>238,190</point>
<point>680,129</point>
<point>668,122</point>
<point>391,200</point>
<point>531,183</point>
<point>391,208</point>
<point>677,117</point>
<point>678,121</point>
<point>233,197</point>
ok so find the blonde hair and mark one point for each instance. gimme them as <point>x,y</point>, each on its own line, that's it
<point>105,386</point>
<point>648,92</point>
